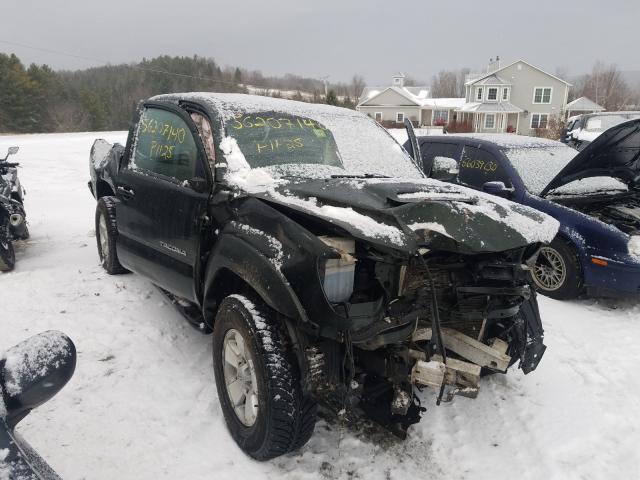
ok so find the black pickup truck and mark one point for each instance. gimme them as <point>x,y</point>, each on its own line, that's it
<point>328,268</point>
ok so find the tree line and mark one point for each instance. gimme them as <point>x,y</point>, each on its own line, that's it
<point>38,99</point>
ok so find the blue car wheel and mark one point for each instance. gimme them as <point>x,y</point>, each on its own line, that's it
<point>557,272</point>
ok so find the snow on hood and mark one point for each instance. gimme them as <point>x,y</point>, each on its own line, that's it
<point>615,153</point>
<point>403,213</point>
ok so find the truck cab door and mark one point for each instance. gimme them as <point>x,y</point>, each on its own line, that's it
<point>163,189</point>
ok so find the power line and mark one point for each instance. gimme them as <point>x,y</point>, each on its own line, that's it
<point>106,63</point>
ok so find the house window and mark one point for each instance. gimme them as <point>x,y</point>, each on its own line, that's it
<point>542,95</point>
<point>440,117</point>
<point>492,93</point>
<point>378,116</point>
<point>400,117</point>
<point>479,94</point>
<point>539,120</point>
<point>490,120</point>
<point>505,94</point>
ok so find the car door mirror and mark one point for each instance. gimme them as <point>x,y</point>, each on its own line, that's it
<point>12,150</point>
<point>35,370</point>
<point>497,188</point>
<point>199,184</point>
<point>444,168</point>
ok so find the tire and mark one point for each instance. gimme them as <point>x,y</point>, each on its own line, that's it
<point>106,235</point>
<point>7,255</point>
<point>283,419</point>
<point>557,273</point>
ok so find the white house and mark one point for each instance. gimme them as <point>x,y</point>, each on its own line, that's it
<point>392,104</point>
<point>519,97</point>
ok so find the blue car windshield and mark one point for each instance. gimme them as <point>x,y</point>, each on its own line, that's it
<point>538,165</point>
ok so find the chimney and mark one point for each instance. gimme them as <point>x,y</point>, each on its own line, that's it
<point>398,80</point>
<point>493,64</point>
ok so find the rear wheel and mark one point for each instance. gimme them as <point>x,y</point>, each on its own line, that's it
<point>258,381</point>
<point>7,255</point>
<point>106,234</point>
<point>557,272</point>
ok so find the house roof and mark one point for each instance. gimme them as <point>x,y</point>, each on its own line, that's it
<point>488,74</point>
<point>584,104</point>
<point>492,80</point>
<point>413,94</point>
<point>443,103</point>
<point>493,107</point>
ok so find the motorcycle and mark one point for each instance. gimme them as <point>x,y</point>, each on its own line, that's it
<point>13,222</point>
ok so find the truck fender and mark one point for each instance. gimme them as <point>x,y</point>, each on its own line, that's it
<point>233,259</point>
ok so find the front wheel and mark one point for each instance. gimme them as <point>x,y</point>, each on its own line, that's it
<point>106,234</point>
<point>7,255</point>
<point>557,272</point>
<point>257,380</point>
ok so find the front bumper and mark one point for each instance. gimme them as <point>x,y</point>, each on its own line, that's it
<point>616,279</point>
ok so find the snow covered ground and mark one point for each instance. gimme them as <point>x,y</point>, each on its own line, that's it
<point>142,404</point>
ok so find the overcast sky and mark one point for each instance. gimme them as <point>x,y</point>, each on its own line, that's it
<point>330,37</point>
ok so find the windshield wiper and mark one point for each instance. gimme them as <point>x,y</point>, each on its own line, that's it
<point>364,175</point>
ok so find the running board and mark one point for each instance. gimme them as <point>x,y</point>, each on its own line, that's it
<point>188,310</point>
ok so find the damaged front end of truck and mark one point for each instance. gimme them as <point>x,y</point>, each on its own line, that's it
<point>437,296</point>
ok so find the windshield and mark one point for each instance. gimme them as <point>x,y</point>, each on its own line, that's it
<point>600,123</point>
<point>323,146</point>
<point>538,165</point>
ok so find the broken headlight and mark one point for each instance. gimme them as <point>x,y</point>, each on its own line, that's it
<point>338,273</point>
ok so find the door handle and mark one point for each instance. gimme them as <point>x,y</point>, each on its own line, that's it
<point>126,192</point>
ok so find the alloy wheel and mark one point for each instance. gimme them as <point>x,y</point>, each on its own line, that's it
<point>550,270</point>
<point>240,378</point>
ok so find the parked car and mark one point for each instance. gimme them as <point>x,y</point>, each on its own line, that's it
<point>583,129</point>
<point>30,374</point>
<point>13,223</point>
<point>325,263</point>
<point>594,194</point>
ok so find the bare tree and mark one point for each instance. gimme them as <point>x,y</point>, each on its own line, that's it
<point>449,83</point>
<point>605,86</point>
<point>357,86</point>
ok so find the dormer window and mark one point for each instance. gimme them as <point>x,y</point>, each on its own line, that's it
<point>492,94</point>
<point>505,94</point>
<point>479,94</point>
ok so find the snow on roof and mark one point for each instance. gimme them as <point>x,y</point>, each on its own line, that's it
<point>492,80</point>
<point>584,104</point>
<point>510,140</point>
<point>490,107</point>
<point>474,77</point>
<point>443,102</point>
<point>413,94</point>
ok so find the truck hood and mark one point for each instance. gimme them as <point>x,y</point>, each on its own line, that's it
<point>407,215</point>
<point>615,153</point>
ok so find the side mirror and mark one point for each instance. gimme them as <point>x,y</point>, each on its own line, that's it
<point>12,150</point>
<point>34,371</point>
<point>497,188</point>
<point>444,168</point>
<point>198,184</point>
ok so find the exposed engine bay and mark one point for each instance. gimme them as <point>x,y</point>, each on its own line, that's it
<point>621,211</point>
<point>450,318</point>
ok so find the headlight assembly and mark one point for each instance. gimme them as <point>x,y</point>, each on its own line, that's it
<point>338,273</point>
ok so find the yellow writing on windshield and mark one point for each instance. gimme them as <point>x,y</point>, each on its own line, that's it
<point>479,165</point>
<point>289,144</point>
<point>255,121</point>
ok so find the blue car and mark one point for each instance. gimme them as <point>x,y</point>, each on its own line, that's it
<point>594,194</point>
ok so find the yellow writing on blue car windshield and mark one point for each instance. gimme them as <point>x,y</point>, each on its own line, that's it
<point>479,165</point>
